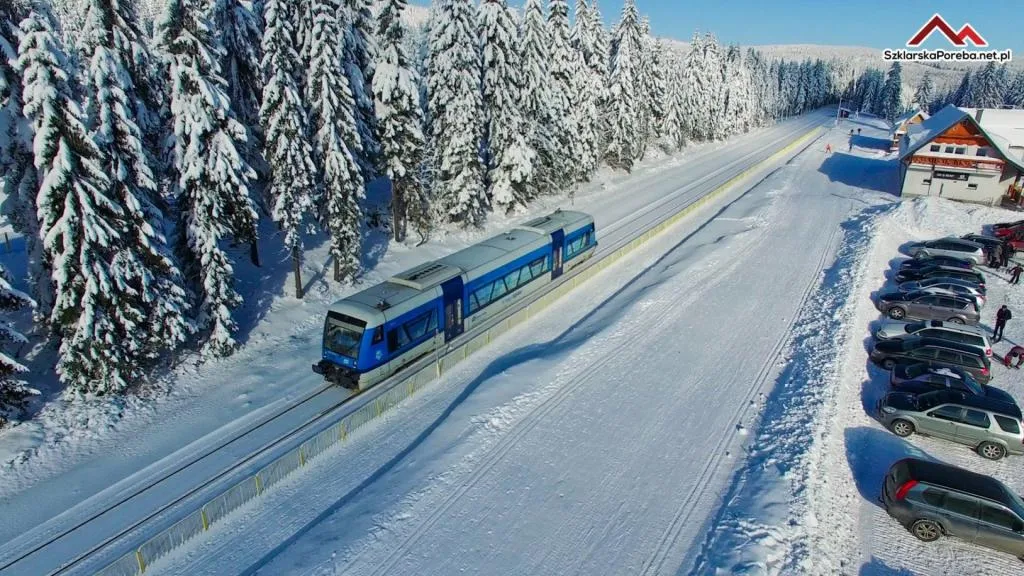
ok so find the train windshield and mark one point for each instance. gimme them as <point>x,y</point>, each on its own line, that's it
<point>342,334</point>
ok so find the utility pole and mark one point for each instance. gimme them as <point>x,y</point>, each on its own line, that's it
<point>839,110</point>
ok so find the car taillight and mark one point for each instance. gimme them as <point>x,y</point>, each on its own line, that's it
<point>988,351</point>
<point>907,486</point>
<point>984,371</point>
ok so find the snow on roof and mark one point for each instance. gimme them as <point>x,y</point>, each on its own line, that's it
<point>920,134</point>
<point>907,116</point>
<point>1008,124</point>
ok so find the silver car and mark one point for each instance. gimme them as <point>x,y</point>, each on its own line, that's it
<point>949,246</point>
<point>992,427</point>
<point>932,500</point>
<point>951,286</point>
<point>927,306</point>
<point>970,335</point>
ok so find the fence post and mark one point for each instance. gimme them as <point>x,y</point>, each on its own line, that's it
<point>141,560</point>
<point>206,521</point>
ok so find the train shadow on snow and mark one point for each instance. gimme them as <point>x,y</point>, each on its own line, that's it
<point>608,311</point>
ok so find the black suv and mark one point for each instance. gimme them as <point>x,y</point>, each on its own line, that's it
<point>921,377</point>
<point>923,261</point>
<point>932,499</point>
<point>933,271</point>
<point>936,352</point>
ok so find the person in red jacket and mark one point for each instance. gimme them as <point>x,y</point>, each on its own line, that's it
<point>1017,351</point>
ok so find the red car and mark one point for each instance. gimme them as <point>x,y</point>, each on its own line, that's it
<point>1015,236</point>
<point>1001,225</point>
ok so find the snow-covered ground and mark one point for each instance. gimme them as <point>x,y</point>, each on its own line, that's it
<point>74,462</point>
<point>598,439</point>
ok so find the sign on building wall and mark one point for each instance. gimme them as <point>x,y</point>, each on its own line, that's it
<point>946,175</point>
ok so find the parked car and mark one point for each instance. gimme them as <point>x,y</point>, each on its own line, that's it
<point>949,246</point>
<point>932,500</point>
<point>940,272</point>
<point>924,305</point>
<point>1011,229</point>
<point>912,285</point>
<point>1015,224</point>
<point>922,377</point>
<point>991,427</point>
<point>970,335</point>
<point>922,261</point>
<point>988,243</point>
<point>889,353</point>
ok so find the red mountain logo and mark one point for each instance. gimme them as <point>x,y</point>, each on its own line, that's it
<point>957,38</point>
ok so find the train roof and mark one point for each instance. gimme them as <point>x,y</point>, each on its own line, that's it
<point>555,220</point>
<point>477,255</point>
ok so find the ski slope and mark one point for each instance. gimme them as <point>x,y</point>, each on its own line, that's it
<point>73,497</point>
<point>598,439</point>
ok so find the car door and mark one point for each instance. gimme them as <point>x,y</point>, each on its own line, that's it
<point>921,307</point>
<point>941,421</point>
<point>972,429</point>
<point>1000,528</point>
<point>919,354</point>
<point>958,513</point>
<point>946,306</point>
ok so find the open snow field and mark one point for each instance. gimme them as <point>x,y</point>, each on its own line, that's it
<point>72,467</point>
<point>599,439</point>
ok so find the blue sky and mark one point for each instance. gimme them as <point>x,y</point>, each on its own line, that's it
<point>872,23</point>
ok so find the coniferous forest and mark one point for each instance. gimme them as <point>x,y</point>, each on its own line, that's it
<point>135,153</point>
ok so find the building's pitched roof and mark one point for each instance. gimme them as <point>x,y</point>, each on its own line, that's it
<point>907,116</point>
<point>920,134</point>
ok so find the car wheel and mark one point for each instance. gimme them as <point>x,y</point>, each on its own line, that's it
<point>926,530</point>
<point>901,428</point>
<point>888,364</point>
<point>955,320</point>
<point>991,451</point>
<point>897,313</point>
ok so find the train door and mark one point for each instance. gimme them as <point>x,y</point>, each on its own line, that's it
<point>453,321</point>
<point>557,241</point>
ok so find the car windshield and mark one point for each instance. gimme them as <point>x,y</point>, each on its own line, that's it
<point>342,337</point>
<point>914,327</point>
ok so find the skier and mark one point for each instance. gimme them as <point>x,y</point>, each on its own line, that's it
<point>1015,273</point>
<point>1002,317</point>
<point>1017,351</point>
<point>828,149</point>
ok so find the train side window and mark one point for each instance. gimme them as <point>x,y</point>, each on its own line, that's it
<point>538,266</point>
<point>378,335</point>
<point>512,280</point>
<point>499,289</point>
<point>416,329</point>
<point>525,275</point>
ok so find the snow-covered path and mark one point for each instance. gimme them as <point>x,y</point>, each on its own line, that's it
<point>267,376</point>
<point>596,440</point>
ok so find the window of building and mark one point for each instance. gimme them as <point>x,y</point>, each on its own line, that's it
<point>961,150</point>
<point>972,186</point>
<point>926,181</point>
<point>982,151</point>
<point>935,148</point>
<point>949,149</point>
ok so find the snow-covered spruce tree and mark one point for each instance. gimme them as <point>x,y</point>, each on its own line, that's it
<point>456,127</point>
<point>597,38</point>
<point>699,91</point>
<point>564,63</point>
<point>509,159</point>
<point>892,93</point>
<point>925,92</point>
<point>673,129</point>
<point>360,57</point>
<point>13,390</point>
<point>645,87</point>
<point>16,158</point>
<point>986,91</point>
<point>240,31</point>
<point>333,114</point>
<point>962,95</point>
<point>657,86</point>
<point>399,122</point>
<point>211,178</point>
<point>536,98</point>
<point>623,139</point>
<point>286,130</point>
<point>300,13</point>
<point>1014,95</point>
<point>149,277</point>
<point>588,89</point>
<point>737,91</point>
<point>101,330</point>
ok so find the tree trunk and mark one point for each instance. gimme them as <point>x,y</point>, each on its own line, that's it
<point>296,268</point>
<point>337,269</point>
<point>254,253</point>
<point>397,214</point>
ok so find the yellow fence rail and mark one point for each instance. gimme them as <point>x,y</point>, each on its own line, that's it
<point>139,560</point>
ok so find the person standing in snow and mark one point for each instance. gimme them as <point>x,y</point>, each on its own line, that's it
<point>1015,274</point>
<point>828,149</point>
<point>1002,317</point>
<point>996,257</point>
<point>1004,256</point>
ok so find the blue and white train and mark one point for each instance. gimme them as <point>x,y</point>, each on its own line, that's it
<point>375,333</point>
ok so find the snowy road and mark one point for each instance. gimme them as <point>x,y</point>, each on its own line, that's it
<point>596,440</point>
<point>89,486</point>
